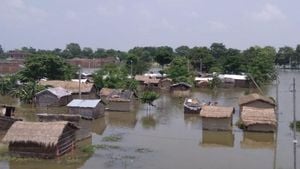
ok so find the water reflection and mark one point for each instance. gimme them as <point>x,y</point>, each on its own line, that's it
<point>256,140</point>
<point>149,121</point>
<point>121,119</point>
<point>87,127</point>
<point>192,121</point>
<point>217,139</point>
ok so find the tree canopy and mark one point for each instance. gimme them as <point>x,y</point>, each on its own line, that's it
<point>46,66</point>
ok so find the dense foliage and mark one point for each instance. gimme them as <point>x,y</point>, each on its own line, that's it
<point>115,77</point>
<point>257,62</point>
<point>46,66</point>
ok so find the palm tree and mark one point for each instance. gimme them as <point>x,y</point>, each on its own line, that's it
<point>27,91</point>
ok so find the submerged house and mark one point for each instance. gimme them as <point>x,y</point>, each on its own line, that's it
<point>259,119</point>
<point>57,96</point>
<point>91,109</point>
<point>87,90</point>
<point>40,139</point>
<point>216,117</point>
<point>192,105</point>
<point>165,83</point>
<point>257,101</point>
<point>7,117</point>
<point>105,92</point>
<point>217,139</point>
<point>180,89</point>
<point>120,100</point>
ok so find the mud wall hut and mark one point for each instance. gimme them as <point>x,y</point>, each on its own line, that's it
<point>259,119</point>
<point>216,117</point>
<point>92,108</point>
<point>257,101</point>
<point>57,96</point>
<point>120,100</point>
<point>40,139</point>
<point>180,89</point>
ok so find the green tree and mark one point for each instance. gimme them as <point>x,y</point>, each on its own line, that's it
<point>297,54</point>
<point>87,52</point>
<point>178,70</point>
<point>8,83</point>
<point>26,92</point>
<point>148,97</point>
<point>111,76</point>
<point>49,66</point>
<point>285,56</point>
<point>74,49</point>
<point>218,50</point>
<point>164,55</point>
<point>100,53</point>
<point>1,50</point>
<point>261,65</point>
<point>183,51</point>
<point>201,58</point>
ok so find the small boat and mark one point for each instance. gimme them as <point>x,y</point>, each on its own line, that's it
<point>7,117</point>
<point>192,106</point>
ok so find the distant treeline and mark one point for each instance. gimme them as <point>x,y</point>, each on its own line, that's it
<point>257,61</point>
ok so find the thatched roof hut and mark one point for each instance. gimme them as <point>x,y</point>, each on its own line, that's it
<point>41,139</point>
<point>259,119</point>
<point>256,100</point>
<point>216,117</point>
<point>104,92</point>
<point>120,100</point>
<point>216,112</point>
<point>69,85</point>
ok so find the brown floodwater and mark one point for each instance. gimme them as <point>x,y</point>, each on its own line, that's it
<point>165,138</point>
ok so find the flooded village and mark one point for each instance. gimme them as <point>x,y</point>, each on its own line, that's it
<point>163,84</point>
<point>130,137</point>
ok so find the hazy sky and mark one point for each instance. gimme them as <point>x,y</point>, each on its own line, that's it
<point>124,24</point>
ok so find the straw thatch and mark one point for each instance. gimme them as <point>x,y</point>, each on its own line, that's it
<point>251,116</point>
<point>254,97</point>
<point>216,111</point>
<point>151,81</point>
<point>120,96</point>
<point>69,85</point>
<point>104,92</point>
<point>44,133</point>
<point>141,78</point>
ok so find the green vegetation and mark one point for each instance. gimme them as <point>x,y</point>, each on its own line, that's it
<point>180,64</point>
<point>26,92</point>
<point>112,138</point>
<point>297,125</point>
<point>45,66</point>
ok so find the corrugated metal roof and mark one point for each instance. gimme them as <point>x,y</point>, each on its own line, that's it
<point>59,92</point>
<point>91,103</point>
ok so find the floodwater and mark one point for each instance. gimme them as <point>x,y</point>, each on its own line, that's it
<point>165,138</point>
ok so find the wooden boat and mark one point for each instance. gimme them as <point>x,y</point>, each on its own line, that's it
<point>192,106</point>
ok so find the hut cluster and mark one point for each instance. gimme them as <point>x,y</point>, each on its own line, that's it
<point>55,134</point>
<point>257,113</point>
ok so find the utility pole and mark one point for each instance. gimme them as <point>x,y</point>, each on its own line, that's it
<point>79,81</point>
<point>277,117</point>
<point>131,69</point>
<point>294,124</point>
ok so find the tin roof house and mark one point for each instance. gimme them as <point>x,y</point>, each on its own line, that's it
<point>92,108</point>
<point>57,96</point>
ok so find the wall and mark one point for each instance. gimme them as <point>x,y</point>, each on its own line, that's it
<point>217,123</point>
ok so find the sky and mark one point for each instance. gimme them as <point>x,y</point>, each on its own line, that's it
<point>124,24</point>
